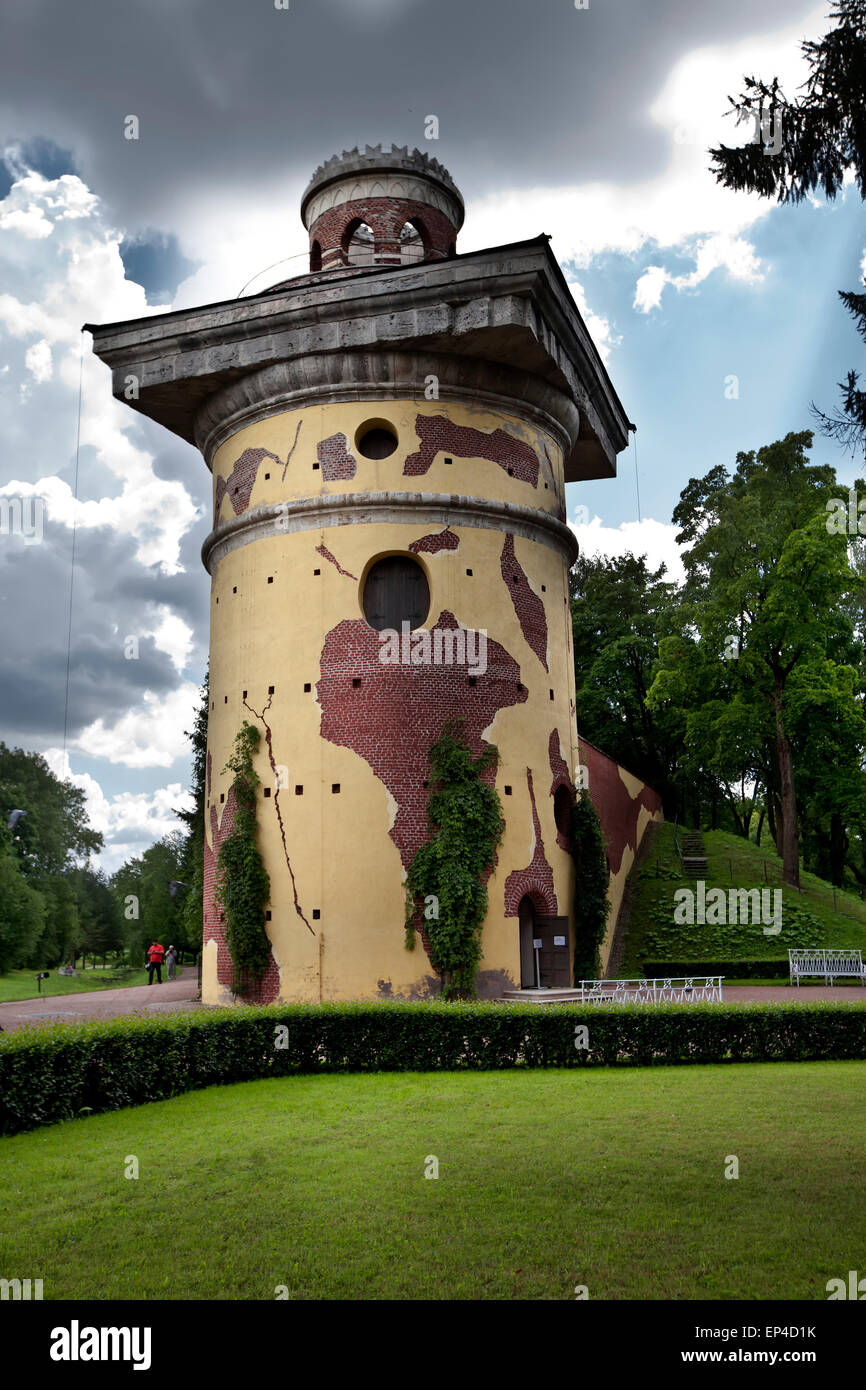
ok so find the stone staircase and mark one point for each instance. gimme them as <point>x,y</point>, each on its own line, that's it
<point>693,854</point>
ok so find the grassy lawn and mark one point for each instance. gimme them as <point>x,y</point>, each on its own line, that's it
<point>21,984</point>
<point>548,1179</point>
<point>809,918</point>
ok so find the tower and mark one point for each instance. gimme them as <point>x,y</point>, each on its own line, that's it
<point>389,436</point>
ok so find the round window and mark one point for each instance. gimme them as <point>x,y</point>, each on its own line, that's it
<point>376,440</point>
<point>396,592</point>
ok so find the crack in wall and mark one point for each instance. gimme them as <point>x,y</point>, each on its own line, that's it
<point>291,451</point>
<point>269,741</point>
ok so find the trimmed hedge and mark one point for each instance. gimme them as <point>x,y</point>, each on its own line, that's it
<point>63,1071</point>
<point>744,969</point>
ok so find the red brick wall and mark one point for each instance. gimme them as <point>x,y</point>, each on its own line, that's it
<point>385,217</point>
<point>617,810</point>
<point>437,433</point>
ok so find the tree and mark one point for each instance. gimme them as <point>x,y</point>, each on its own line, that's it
<point>22,914</point>
<point>101,933</point>
<point>766,573</point>
<point>820,136</point>
<point>191,866</point>
<point>55,832</point>
<point>620,609</point>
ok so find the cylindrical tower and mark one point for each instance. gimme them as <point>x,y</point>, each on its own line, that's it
<point>389,551</point>
<point>375,209</point>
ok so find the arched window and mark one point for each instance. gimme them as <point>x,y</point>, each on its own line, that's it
<point>396,591</point>
<point>413,243</point>
<point>315,257</point>
<point>359,244</point>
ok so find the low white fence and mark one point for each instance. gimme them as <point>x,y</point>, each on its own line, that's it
<point>702,989</point>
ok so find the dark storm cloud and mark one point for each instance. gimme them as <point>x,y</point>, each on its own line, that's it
<point>111,601</point>
<point>228,93</point>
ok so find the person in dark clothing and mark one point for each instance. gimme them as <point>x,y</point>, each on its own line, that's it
<point>155,954</point>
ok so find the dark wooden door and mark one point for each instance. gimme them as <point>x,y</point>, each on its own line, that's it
<point>553,956</point>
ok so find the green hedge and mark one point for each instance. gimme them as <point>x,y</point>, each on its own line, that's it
<point>62,1071</point>
<point>743,969</point>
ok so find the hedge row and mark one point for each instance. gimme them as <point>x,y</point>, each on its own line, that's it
<point>742,969</point>
<point>63,1071</point>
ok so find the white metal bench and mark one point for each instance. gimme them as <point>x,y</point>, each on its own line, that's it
<point>704,989</point>
<point>831,964</point>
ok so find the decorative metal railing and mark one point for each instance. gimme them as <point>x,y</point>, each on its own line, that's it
<point>700,989</point>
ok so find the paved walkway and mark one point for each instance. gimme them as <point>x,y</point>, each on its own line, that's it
<point>145,1000</point>
<point>179,995</point>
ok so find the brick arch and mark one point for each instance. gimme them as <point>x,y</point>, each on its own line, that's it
<point>542,901</point>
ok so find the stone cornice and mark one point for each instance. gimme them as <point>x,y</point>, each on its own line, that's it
<point>380,375</point>
<point>393,508</point>
<point>508,306</point>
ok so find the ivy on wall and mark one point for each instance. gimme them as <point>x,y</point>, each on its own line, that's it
<point>242,885</point>
<point>591,904</point>
<point>445,878</point>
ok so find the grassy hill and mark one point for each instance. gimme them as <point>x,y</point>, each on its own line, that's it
<point>816,916</point>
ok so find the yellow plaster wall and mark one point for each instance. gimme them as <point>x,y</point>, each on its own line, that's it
<point>271,634</point>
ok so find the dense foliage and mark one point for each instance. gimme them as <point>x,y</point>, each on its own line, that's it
<point>55,1073</point>
<point>590,887</point>
<point>447,873</point>
<point>817,138</point>
<point>242,884</point>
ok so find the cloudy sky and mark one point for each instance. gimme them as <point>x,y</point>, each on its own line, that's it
<point>591,125</point>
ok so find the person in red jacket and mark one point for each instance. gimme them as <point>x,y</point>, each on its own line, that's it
<point>155,955</point>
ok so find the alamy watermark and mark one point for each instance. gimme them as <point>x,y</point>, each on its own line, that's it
<point>448,646</point>
<point>22,516</point>
<point>739,907</point>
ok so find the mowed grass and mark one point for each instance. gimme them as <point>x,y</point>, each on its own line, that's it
<point>21,984</point>
<point>548,1179</point>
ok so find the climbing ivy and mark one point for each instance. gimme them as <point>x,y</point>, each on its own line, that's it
<point>590,889</point>
<point>242,885</point>
<point>444,882</point>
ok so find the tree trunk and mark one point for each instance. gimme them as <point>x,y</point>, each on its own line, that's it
<point>838,848</point>
<point>787,843</point>
<point>760,826</point>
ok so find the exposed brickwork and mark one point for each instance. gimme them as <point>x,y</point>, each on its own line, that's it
<point>434,542</point>
<point>325,552</point>
<point>536,879</point>
<point>238,486</point>
<point>385,217</point>
<point>527,605</point>
<point>337,464</point>
<point>438,434</point>
<point>213,929</point>
<point>617,810</point>
<point>561,778</point>
<point>396,714</point>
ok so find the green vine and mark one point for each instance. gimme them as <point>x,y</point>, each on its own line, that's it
<point>590,888</point>
<point>445,879</point>
<point>242,886</point>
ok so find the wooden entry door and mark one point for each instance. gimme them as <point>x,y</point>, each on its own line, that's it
<point>553,956</point>
<point>526,916</point>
